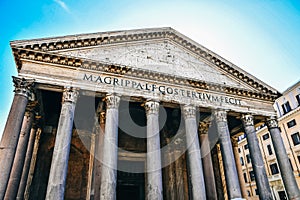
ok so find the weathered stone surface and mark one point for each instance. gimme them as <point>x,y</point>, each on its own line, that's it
<point>17,168</point>
<point>195,163</point>
<point>234,190</point>
<point>59,164</point>
<point>258,165</point>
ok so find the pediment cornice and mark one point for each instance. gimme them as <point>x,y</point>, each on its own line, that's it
<point>44,50</point>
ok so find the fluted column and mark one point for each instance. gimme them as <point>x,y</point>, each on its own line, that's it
<point>208,170</point>
<point>17,168</point>
<point>28,157</point>
<point>239,167</point>
<point>287,174</point>
<point>234,190</point>
<point>154,175</point>
<point>110,149</point>
<point>195,163</point>
<point>258,165</point>
<point>12,129</point>
<point>59,164</point>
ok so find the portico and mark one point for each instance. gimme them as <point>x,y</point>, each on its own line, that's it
<point>129,104</point>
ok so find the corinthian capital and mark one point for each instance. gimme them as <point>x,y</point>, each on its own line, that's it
<point>152,107</point>
<point>247,120</point>
<point>23,86</point>
<point>70,95</point>
<point>203,127</point>
<point>272,122</point>
<point>112,101</point>
<point>189,111</point>
<point>220,115</point>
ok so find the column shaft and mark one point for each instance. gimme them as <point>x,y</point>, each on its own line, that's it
<point>239,168</point>
<point>233,185</point>
<point>154,174</point>
<point>209,176</point>
<point>195,163</point>
<point>287,174</point>
<point>27,162</point>
<point>110,149</point>
<point>258,165</point>
<point>12,129</point>
<point>59,164</point>
<point>17,168</point>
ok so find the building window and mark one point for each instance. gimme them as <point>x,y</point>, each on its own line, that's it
<point>242,161</point>
<point>239,150</point>
<point>245,178</point>
<point>266,136</point>
<point>282,195</point>
<point>248,158</point>
<point>274,168</point>
<point>252,177</point>
<point>256,192</point>
<point>298,158</point>
<point>246,146</point>
<point>296,138</point>
<point>279,129</point>
<point>298,99</point>
<point>248,192</point>
<point>286,107</point>
<point>269,149</point>
<point>291,123</point>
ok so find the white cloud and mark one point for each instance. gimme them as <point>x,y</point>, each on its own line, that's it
<point>63,5</point>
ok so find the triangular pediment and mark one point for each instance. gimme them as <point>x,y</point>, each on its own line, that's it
<point>161,50</point>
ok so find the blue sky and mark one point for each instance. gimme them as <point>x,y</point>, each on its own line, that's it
<point>260,36</point>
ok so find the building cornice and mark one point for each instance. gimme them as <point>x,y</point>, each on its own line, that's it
<point>115,37</point>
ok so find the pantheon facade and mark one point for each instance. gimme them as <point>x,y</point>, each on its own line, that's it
<point>134,114</point>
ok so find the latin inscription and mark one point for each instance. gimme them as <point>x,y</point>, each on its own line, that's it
<point>165,90</point>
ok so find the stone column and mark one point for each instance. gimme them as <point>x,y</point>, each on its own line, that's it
<point>287,174</point>
<point>258,165</point>
<point>154,175</point>
<point>99,151</point>
<point>232,180</point>
<point>209,177</point>
<point>59,164</point>
<point>195,163</point>
<point>17,168</point>
<point>12,129</point>
<point>110,149</point>
<point>28,157</point>
<point>239,167</point>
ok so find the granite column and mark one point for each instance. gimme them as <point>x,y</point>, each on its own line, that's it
<point>11,133</point>
<point>195,163</point>
<point>154,174</point>
<point>110,149</point>
<point>59,164</point>
<point>17,168</point>
<point>208,169</point>
<point>258,165</point>
<point>232,180</point>
<point>287,174</point>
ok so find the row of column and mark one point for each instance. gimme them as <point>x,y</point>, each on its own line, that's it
<point>58,171</point>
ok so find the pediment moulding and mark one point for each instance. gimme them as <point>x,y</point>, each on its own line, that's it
<point>47,50</point>
<point>46,57</point>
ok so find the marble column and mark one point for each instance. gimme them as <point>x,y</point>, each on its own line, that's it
<point>287,174</point>
<point>28,157</point>
<point>154,174</point>
<point>209,177</point>
<point>17,168</point>
<point>110,149</point>
<point>232,180</point>
<point>195,163</point>
<point>11,133</point>
<point>258,165</point>
<point>59,164</point>
<point>239,167</point>
<point>99,151</point>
